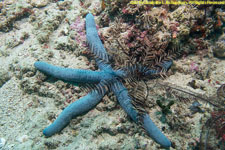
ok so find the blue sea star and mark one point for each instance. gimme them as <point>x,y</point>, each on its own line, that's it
<point>101,78</point>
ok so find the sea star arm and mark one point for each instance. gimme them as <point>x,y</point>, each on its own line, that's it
<point>95,43</point>
<point>71,75</point>
<point>125,101</point>
<point>154,132</point>
<point>122,96</point>
<point>79,107</point>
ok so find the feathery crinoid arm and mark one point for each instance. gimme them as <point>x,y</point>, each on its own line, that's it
<point>143,118</point>
<point>140,72</point>
<point>164,66</point>
<point>70,75</point>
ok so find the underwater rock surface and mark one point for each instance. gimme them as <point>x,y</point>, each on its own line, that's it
<point>52,31</point>
<point>219,49</point>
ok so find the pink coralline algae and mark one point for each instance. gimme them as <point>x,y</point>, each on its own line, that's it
<point>194,67</point>
<point>79,27</point>
<point>125,11</point>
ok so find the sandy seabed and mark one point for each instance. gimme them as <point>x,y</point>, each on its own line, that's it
<point>28,104</point>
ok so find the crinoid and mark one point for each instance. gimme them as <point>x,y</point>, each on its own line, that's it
<point>213,132</point>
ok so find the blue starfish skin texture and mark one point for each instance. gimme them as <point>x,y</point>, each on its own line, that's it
<point>88,102</point>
